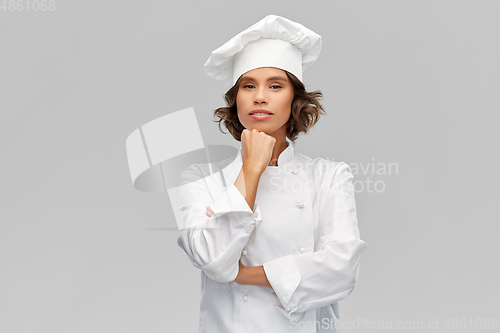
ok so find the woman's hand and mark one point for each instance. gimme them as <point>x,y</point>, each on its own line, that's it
<point>255,276</point>
<point>240,279</point>
<point>257,149</point>
<point>210,212</point>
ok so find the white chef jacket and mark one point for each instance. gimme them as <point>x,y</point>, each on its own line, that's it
<point>303,230</point>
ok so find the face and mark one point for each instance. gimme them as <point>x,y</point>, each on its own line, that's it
<point>265,90</point>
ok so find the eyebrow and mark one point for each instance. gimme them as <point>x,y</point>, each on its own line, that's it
<point>274,78</point>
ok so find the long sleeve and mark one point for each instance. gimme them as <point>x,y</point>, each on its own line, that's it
<point>214,244</point>
<point>315,279</point>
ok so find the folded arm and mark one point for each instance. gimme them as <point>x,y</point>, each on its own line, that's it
<point>214,244</point>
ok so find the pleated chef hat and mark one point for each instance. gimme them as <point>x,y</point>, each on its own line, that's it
<point>274,41</point>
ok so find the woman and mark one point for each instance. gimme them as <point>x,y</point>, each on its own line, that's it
<point>278,246</point>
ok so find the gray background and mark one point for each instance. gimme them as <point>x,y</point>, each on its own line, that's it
<point>414,83</point>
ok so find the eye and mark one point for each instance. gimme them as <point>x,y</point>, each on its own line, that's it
<point>248,86</point>
<point>275,86</point>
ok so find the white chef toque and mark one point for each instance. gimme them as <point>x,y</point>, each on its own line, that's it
<point>274,41</point>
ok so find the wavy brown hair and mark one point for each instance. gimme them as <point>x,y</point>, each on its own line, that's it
<point>306,110</point>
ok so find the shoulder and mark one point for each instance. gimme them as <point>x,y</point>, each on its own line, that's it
<point>330,176</point>
<point>324,167</point>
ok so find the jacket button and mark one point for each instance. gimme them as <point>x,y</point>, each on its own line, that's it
<point>295,172</point>
<point>300,205</point>
<point>245,298</point>
<point>302,250</point>
<point>244,252</point>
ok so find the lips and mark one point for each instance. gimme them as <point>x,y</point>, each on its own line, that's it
<point>260,116</point>
<point>259,111</point>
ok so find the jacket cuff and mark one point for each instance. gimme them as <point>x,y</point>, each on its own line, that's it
<point>284,277</point>
<point>232,201</point>
<point>292,316</point>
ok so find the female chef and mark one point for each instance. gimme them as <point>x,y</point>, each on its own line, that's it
<point>274,233</point>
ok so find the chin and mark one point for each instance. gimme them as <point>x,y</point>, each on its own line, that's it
<point>261,130</point>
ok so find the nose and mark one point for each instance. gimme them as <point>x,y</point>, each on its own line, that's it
<point>260,96</point>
